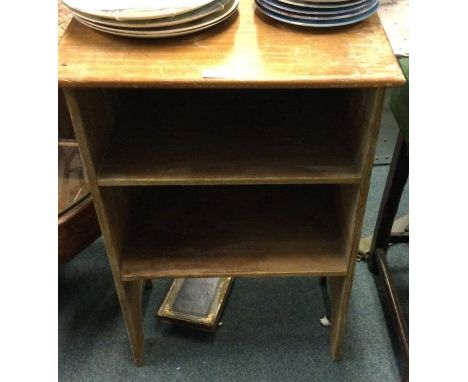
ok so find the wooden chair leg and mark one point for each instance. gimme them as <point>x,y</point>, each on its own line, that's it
<point>394,306</point>
<point>396,181</point>
<point>399,237</point>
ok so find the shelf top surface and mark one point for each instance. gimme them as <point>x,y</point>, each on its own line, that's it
<point>248,50</point>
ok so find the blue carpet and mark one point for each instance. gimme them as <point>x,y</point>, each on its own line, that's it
<point>270,331</point>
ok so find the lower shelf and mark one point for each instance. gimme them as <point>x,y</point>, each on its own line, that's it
<point>233,231</point>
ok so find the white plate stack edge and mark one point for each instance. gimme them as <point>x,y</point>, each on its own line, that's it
<point>151,18</point>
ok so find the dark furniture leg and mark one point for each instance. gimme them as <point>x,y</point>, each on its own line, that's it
<point>399,237</point>
<point>383,237</point>
<point>394,307</point>
<point>396,181</point>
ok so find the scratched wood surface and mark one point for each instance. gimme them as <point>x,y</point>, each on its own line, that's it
<point>248,50</point>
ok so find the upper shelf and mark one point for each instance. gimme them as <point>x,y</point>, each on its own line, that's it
<point>246,51</point>
<point>193,137</point>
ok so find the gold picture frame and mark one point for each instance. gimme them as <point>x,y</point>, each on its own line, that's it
<point>195,302</point>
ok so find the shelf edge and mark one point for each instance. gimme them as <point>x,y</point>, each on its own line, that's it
<point>168,274</point>
<point>115,182</point>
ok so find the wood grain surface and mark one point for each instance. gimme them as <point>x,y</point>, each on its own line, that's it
<point>340,287</point>
<point>89,112</point>
<point>233,231</point>
<point>189,137</point>
<point>248,50</point>
<point>236,230</point>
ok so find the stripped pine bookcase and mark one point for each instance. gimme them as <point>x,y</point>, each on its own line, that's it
<point>243,150</point>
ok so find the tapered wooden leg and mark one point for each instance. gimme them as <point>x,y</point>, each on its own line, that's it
<point>92,115</point>
<point>130,296</point>
<point>338,289</point>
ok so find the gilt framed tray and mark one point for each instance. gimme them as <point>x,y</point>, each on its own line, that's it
<point>195,302</point>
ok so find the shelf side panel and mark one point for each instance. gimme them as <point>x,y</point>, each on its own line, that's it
<point>92,112</point>
<point>340,287</point>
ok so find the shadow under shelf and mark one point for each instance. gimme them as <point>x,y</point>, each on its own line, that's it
<point>233,231</point>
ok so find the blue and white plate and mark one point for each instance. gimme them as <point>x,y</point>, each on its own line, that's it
<point>297,7</point>
<point>304,13</point>
<point>327,19</point>
<point>325,5</point>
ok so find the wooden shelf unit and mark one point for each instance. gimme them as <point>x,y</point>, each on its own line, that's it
<point>244,150</point>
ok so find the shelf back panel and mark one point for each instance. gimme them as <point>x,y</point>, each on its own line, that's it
<point>234,231</point>
<point>197,137</point>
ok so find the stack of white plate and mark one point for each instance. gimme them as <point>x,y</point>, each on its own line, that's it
<point>151,18</point>
<point>318,13</point>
